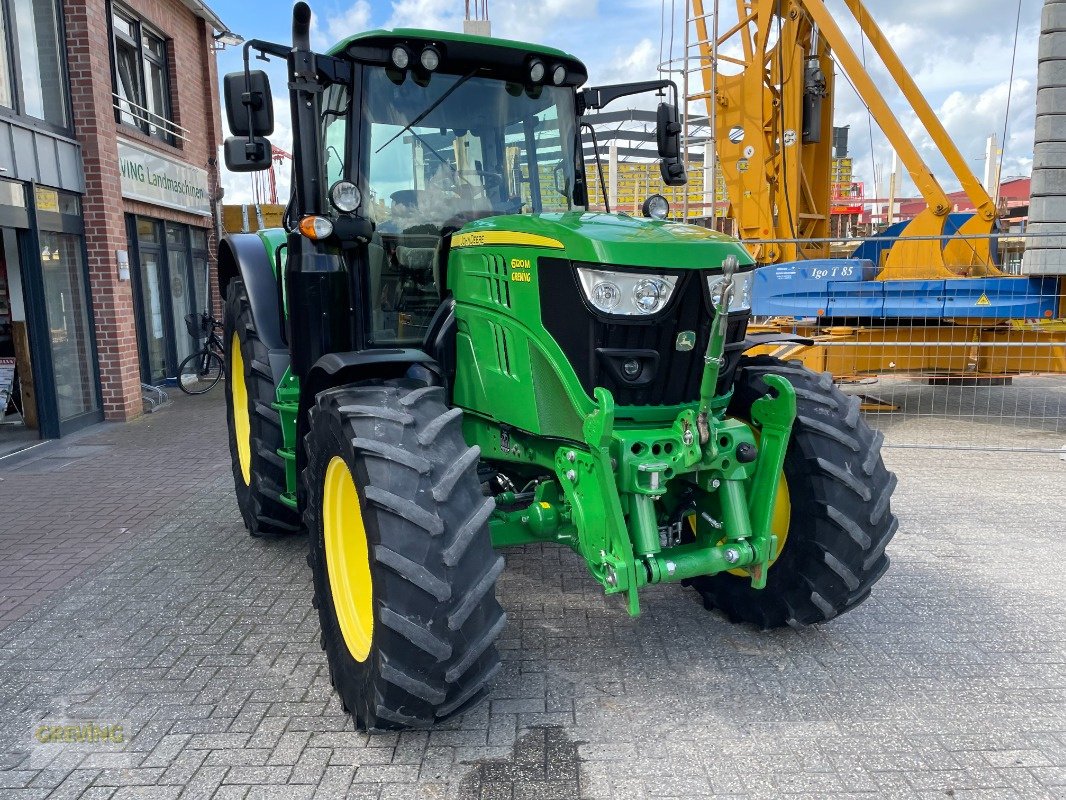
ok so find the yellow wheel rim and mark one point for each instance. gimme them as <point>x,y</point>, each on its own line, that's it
<point>242,422</point>
<point>780,519</point>
<point>348,559</point>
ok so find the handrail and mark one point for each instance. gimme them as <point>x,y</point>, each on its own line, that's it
<point>126,106</point>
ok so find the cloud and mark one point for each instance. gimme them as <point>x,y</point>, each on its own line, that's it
<point>958,51</point>
<point>432,14</point>
<point>545,21</point>
<point>355,19</point>
<point>511,19</point>
<point>336,25</point>
<point>626,63</point>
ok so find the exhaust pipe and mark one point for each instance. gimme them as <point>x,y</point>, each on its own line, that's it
<point>301,26</point>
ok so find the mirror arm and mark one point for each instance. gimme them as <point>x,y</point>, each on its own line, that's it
<point>596,97</point>
<point>251,103</point>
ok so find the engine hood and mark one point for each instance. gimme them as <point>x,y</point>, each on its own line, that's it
<point>615,239</point>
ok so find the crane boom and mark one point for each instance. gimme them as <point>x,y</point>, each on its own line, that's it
<point>770,120</point>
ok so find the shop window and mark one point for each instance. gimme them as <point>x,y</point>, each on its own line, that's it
<point>200,269</point>
<point>170,267</point>
<point>7,90</point>
<point>12,193</point>
<point>32,71</point>
<point>142,89</point>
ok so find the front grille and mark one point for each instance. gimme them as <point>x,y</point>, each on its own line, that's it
<point>591,340</point>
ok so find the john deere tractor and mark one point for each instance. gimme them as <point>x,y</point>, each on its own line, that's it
<point>444,352</point>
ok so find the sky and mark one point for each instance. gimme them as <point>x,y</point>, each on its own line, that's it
<point>959,52</point>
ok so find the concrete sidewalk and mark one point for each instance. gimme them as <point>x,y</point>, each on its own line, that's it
<point>64,506</point>
<point>133,597</point>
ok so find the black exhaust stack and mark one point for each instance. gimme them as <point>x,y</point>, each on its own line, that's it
<point>317,281</point>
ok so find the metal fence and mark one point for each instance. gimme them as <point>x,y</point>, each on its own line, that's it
<point>943,353</point>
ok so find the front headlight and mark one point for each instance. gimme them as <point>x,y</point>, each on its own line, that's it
<point>628,293</point>
<point>742,282</point>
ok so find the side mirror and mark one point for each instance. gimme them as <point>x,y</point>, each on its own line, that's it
<point>244,154</point>
<point>673,171</point>
<point>667,131</point>
<point>249,106</point>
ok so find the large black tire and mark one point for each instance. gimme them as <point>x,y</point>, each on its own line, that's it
<point>258,497</point>
<point>432,567</point>
<point>841,519</point>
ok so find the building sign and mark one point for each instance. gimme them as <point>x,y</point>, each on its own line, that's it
<point>47,199</point>
<point>153,178</point>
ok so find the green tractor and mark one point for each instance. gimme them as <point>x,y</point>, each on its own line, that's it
<point>444,353</point>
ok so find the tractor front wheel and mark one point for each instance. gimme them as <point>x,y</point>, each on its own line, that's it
<point>254,425</point>
<point>832,515</point>
<point>404,571</point>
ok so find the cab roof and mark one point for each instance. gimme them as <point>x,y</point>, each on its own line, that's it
<point>465,42</point>
<point>449,36</point>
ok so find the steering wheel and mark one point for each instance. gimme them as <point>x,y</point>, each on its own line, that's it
<point>490,180</point>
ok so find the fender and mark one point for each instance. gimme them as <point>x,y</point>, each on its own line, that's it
<point>245,255</point>
<point>340,369</point>
<point>757,339</point>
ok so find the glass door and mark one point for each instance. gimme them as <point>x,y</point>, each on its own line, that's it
<point>182,290</point>
<point>151,307</point>
<point>151,297</point>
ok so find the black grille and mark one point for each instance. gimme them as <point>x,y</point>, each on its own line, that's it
<point>596,345</point>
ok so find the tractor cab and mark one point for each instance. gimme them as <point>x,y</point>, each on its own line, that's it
<point>403,137</point>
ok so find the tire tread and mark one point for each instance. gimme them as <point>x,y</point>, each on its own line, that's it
<point>841,505</point>
<point>433,568</point>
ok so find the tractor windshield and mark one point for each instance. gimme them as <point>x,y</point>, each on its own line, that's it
<point>486,147</point>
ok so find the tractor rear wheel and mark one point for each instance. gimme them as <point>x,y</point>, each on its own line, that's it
<point>833,516</point>
<point>254,425</point>
<point>404,571</point>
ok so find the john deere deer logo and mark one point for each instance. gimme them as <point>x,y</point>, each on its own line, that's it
<point>686,340</point>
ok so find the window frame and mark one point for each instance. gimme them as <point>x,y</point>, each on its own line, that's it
<point>16,111</point>
<point>142,28</point>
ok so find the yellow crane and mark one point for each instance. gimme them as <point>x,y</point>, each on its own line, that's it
<point>774,137</point>
<point>773,128</point>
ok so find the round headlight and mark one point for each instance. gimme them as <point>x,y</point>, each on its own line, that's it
<point>649,296</point>
<point>536,70</point>
<point>558,74</point>
<point>400,57</point>
<point>606,296</point>
<point>430,59</point>
<point>345,196</point>
<point>656,207</point>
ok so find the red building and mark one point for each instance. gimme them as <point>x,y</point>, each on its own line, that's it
<point>1013,204</point>
<point>109,133</point>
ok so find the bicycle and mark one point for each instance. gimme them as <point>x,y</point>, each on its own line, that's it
<point>200,371</point>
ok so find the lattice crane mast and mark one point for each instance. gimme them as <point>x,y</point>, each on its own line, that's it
<point>774,137</point>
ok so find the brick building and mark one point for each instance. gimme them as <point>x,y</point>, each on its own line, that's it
<point>109,134</point>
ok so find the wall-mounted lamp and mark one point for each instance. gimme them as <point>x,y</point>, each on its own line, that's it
<point>224,38</point>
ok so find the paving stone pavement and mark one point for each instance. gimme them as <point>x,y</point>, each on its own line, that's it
<point>134,598</point>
